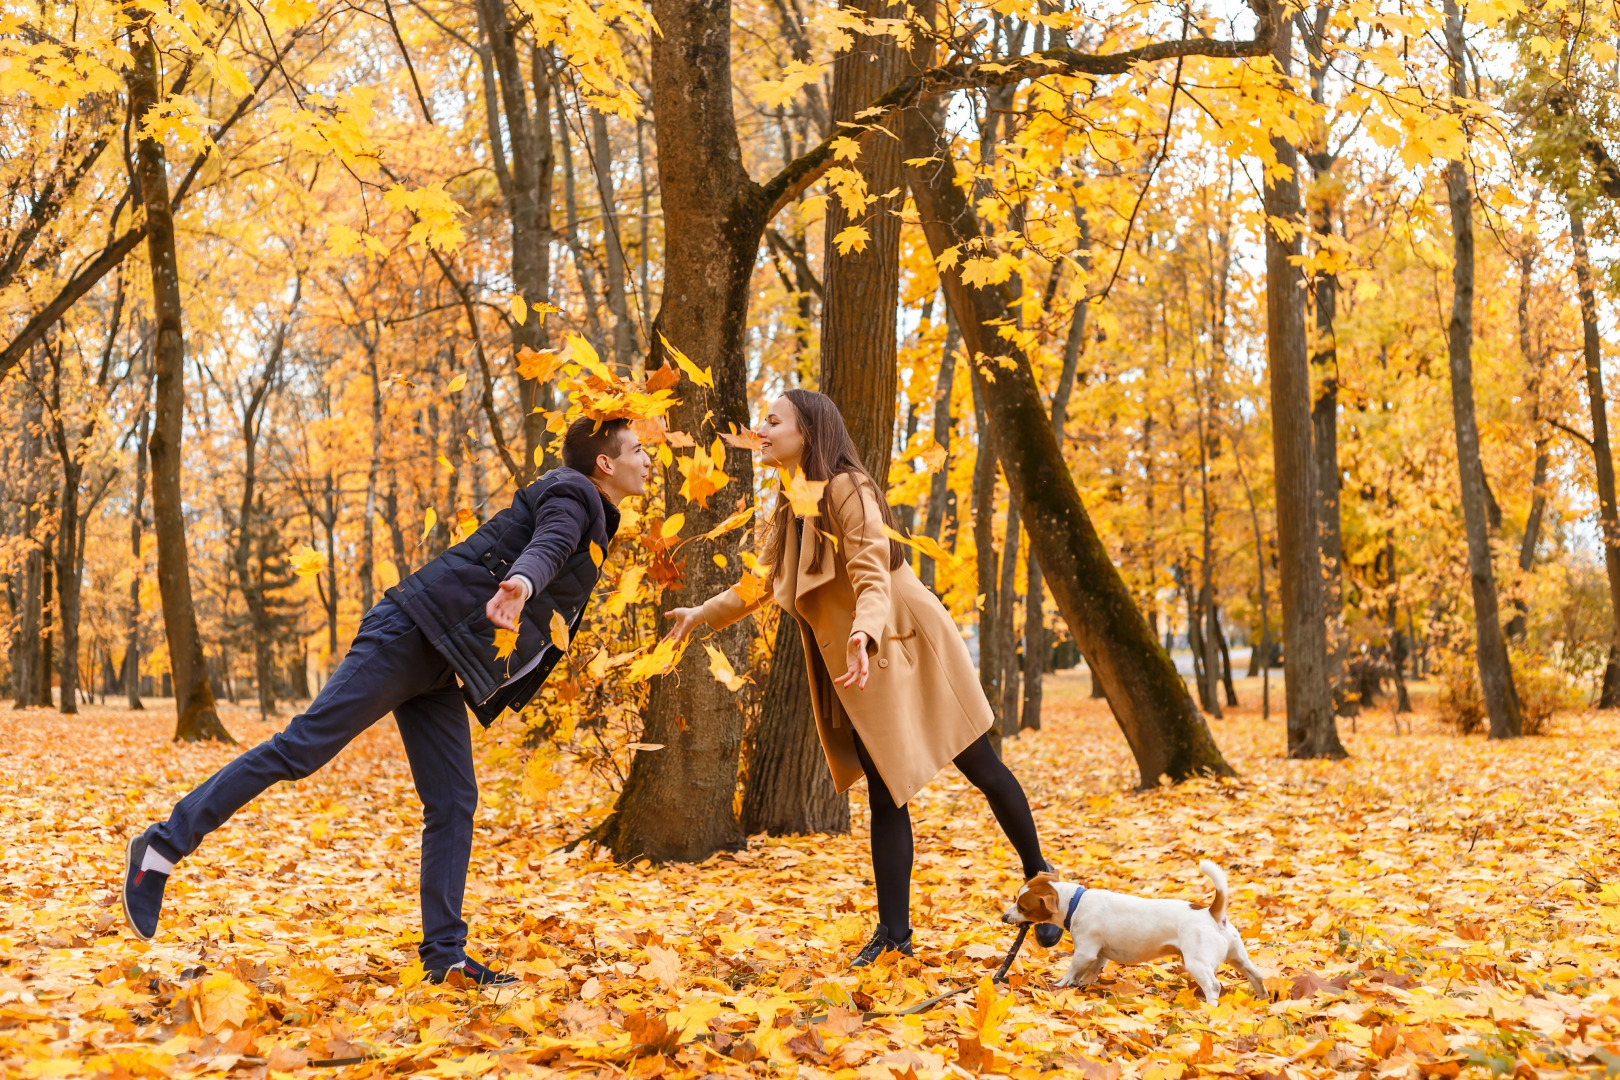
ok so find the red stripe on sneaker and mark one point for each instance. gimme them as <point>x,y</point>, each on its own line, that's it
<point>138,877</point>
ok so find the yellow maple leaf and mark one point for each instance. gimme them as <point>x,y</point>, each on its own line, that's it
<point>223,1000</point>
<point>751,588</point>
<point>663,966</point>
<point>721,669</point>
<point>741,517</point>
<point>804,495</point>
<point>845,148</point>
<point>505,642</point>
<point>923,543</point>
<point>934,457</point>
<point>661,660</point>
<point>466,524</point>
<point>537,364</point>
<point>701,376</point>
<point>285,15</point>
<point>702,477</point>
<point>853,238</point>
<point>307,562</point>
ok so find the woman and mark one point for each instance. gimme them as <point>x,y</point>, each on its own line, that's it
<point>893,688</point>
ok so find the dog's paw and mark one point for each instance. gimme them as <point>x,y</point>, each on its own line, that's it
<point>1066,981</point>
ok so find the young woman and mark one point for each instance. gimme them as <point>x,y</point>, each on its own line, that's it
<point>894,690</point>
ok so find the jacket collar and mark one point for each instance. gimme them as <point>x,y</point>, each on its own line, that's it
<point>797,580</point>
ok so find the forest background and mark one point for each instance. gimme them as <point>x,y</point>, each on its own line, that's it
<point>1162,326</point>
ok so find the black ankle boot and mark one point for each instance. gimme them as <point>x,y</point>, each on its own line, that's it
<point>881,943</point>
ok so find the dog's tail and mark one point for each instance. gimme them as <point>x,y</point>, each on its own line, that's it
<point>1217,907</point>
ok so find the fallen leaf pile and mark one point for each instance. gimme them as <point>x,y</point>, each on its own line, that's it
<point>1433,906</point>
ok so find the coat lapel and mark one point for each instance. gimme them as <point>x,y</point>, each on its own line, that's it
<point>804,580</point>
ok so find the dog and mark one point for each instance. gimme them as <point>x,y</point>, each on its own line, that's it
<point>1108,926</point>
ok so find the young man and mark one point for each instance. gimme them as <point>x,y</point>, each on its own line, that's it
<point>427,654</point>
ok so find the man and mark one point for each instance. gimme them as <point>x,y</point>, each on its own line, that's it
<point>427,654</point>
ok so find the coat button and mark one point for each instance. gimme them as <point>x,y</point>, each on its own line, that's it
<point>883,661</point>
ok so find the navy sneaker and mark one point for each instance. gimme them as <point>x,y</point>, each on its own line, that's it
<point>469,974</point>
<point>143,890</point>
<point>1047,935</point>
<point>881,943</point>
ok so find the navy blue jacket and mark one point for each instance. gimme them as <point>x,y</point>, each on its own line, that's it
<point>546,535</point>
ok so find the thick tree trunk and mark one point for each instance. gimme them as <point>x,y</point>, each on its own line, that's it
<point>859,372</point>
<point>1311,728</point>
<point>1325,440</point>
<point>1495,671</point>
<point>193,697</point>
<point>1603,460</point>
<point>29,590</point>
<point>677,802</point>
<point>1165,731</point>
<point>132,629</point>
<point>790,789</point>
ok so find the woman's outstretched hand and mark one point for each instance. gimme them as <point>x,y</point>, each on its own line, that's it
<point>855,667</point>
<point>686,619</point>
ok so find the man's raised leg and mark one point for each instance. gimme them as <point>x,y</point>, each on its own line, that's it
<point>387,663</point>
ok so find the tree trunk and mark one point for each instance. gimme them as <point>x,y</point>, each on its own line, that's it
<point>368,524</point>
<point>677,802</point>
<point>29,593</point>
<point>1538,479</point>
<point>1165,731</point>
<point>939,484</point>
<point>68,583</point>
<point>1495,671</point>
<point>132,631</point>
<point>1312,731</point>
<point>1226,658</point>
<point>984,552</point>
<point>1006,624</point>
<point>196,718</point>
<point>859,373</point>
<point>790,789</point>
<point>1037,642</point>
<point>1592,353</point>
<point>1325,439</point>
<point>624,331</point>
<point>528,202</point>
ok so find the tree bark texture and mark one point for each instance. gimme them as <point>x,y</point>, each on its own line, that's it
<point>939,485</point>
<point>677,802</point>
<point>790,790</point>
<point>1312,731</point>
<point>1495,671</point>
<point>1603,459</point>
<point>527,187</point>
<point>1325,439</point>
<point>196,718</point>
<point>984,553</point>
<point>132,632</point>
<point>858,369</point>
<point>1166,733</point>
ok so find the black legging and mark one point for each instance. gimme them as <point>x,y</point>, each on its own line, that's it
<point>891,828</point>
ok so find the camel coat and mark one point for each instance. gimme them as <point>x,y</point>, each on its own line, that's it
<point>922,704</point>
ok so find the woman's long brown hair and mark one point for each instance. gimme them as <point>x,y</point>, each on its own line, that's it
<point>828,451</point>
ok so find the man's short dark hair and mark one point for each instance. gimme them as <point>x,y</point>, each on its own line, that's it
<point>586,439</point>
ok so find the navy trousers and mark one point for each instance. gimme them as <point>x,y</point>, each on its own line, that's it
<point>390,667</point>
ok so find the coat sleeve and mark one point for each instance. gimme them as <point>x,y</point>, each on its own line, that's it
<point>858,524</point>
<point>558,529</point>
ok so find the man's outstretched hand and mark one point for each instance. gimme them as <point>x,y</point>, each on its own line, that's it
<point>505,606</point>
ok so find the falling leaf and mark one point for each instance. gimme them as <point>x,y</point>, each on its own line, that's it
<point>737,520</point>
<point>596,554</point>
<point>804,495</point>
<point>445,463</point>
<point>672,526</point>
<point>663,377</point>
<point>747,439</point>
<point>721,669</point>
<point>559,631</point>
<point>698,375</point>
<point>923,543</point>
<point>934,457</point>
<point>520,310</point>
<point>701,476</point>
<point>751,588</point>
<point>538,365</point>
<point>307,562</point>
<point>456,384</point>
<point>542,309</point>
<point>429,519</point>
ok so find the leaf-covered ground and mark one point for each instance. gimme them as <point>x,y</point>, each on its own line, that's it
<point>1434,905</point>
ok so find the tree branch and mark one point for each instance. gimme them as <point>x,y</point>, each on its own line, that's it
<point>806,169</point>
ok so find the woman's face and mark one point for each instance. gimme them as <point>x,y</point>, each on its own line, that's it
<point>781,441</point>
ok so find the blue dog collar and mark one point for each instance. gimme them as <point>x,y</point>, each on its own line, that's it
<point>1074,902</point>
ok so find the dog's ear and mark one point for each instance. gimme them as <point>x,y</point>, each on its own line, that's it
<point>1037,901</point>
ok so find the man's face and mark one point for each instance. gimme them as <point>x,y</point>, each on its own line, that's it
<point>626,474</point>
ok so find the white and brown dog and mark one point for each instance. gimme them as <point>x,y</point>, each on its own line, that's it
<point>1133,929</point>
